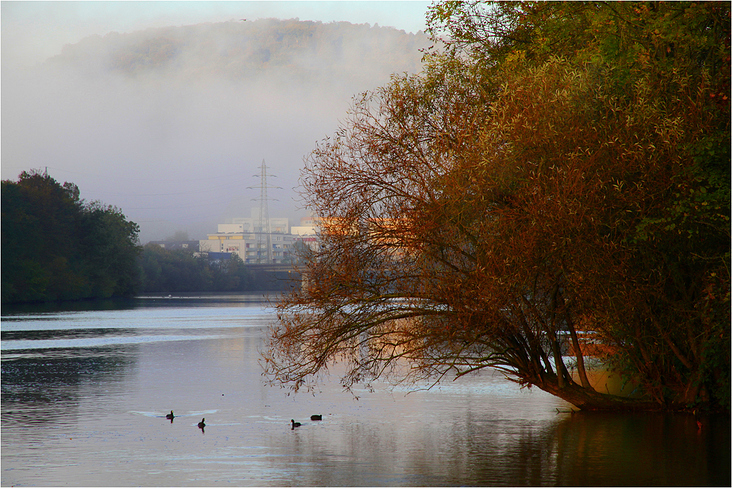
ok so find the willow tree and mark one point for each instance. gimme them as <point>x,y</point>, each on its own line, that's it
<point>506,204</point>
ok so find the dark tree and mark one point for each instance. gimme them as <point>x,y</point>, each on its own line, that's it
<point>56,247</point>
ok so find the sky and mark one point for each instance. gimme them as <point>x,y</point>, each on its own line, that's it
<point>171,157</point>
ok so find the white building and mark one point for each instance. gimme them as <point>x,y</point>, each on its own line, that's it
<point>307,232</point>
<point>243,237</point>
<point>253,245</point>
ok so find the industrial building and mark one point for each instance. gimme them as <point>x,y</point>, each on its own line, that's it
<point>260,241</point>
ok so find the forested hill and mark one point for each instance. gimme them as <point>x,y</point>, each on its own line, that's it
<point>317,52</point>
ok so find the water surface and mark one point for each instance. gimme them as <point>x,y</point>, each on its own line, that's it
<point>85,393</point>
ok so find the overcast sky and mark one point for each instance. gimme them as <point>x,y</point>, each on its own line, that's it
<point>172,156</point>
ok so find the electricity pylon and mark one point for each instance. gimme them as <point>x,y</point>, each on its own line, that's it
<point>264,234</point>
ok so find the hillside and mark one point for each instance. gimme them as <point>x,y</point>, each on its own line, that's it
<point>245,50</point>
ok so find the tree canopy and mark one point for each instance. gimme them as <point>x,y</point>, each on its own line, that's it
<point>55,246</point>
<point>557,178</point>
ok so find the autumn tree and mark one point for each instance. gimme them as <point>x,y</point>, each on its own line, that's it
<point>525,192</point>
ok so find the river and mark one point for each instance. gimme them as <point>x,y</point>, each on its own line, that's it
<point>85,392</point>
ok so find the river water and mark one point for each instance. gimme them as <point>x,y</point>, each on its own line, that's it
<point>85,393</point>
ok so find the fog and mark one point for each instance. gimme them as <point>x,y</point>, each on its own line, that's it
<point>175,136</point>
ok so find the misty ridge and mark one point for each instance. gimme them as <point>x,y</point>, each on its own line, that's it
<point>338,53</point>
<point>170,124</point>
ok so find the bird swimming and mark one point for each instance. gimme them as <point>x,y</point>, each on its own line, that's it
<point>295,424</point>
<point>202,423</point>
<point>170,415</point>
<point>316,417</point>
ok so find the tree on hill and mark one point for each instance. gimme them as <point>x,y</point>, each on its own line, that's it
<point>555,184</point>
<point>311,52</point>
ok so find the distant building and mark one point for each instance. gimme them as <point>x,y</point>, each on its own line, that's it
<point>253,243</point>
<point>243,237</point>
<point>307,233</point>
<point>175,245</point>
<point>219,256</point>
<point>307,227</point>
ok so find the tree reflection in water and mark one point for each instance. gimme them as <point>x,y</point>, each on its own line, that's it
<point>96,416</point>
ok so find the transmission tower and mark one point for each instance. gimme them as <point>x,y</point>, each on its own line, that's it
<point>264,230</point>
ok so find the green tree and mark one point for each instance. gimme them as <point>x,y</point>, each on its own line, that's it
<point>111,250</point>
<point>560,173</point>
<point>165,270</point>
<point>57,247</point>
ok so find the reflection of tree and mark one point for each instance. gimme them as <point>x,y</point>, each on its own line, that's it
<point>635,450</point>
<point>585,450</point>
<point>50,388</point>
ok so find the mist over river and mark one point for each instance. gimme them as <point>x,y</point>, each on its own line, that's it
<point>85,393</point>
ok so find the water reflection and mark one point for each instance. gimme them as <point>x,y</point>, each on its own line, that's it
<point>55,334</point>
<point>45,390</point>
<point>96,416</point>
<point>72,306</point>
<point>643,449</point>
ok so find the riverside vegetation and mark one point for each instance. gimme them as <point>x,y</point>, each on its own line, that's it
<point>55,246</point>
<point>555,181</point>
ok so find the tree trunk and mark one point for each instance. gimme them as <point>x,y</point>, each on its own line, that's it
<point>558,363</point>
<point>591,400</point>
<point>580,357</point>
